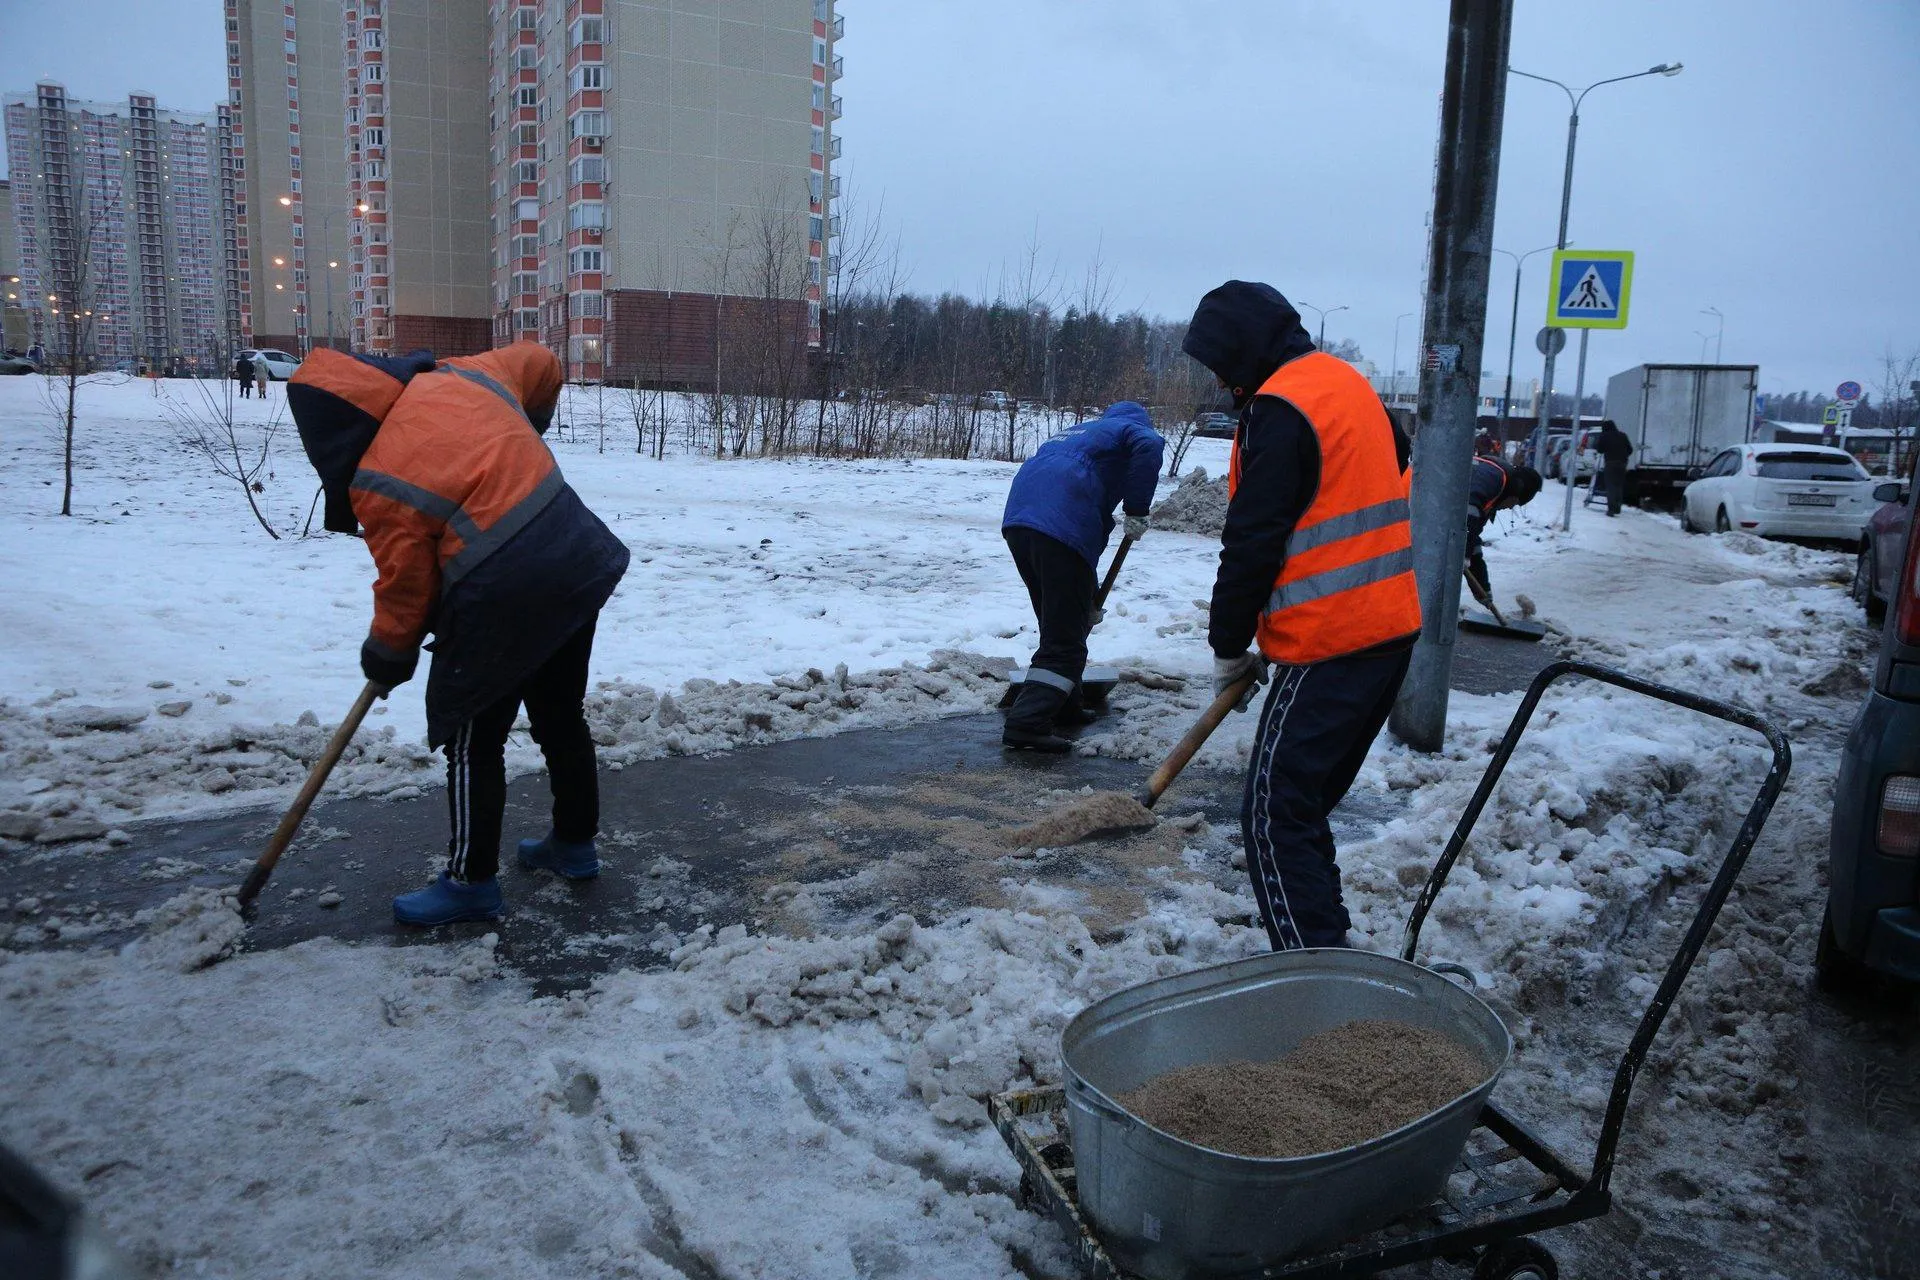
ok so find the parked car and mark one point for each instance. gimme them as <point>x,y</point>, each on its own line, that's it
<point>995,401</point>
<point>1880,543</point>
<point>1584,458</point>
<point>16,364</point>
<point>280,365</point>
<point>1780,491</point>
<point>1872,921</point>
<point>1217,426</point>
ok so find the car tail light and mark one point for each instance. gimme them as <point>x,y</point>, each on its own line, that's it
<point>1899,834</point>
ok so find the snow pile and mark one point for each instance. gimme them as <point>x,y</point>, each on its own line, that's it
<point>190,930</point>
<point>1199,505</point>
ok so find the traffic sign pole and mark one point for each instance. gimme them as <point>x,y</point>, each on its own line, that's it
<point>1573,440</point>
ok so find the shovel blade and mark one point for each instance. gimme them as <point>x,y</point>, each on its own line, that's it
<point>1518,629</point>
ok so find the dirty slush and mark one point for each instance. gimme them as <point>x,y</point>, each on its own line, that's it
<point>1340,1087</point>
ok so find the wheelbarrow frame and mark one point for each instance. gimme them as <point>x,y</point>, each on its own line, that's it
<point>1510,1182</point>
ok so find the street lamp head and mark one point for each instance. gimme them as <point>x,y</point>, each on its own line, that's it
<point>361,207</point>
<point>1667,69</point>
<point>287,201</point>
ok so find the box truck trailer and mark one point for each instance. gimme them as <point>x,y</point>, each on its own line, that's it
<point>1678,417</point>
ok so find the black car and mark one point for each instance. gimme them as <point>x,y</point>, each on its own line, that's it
<point>1872,921</point>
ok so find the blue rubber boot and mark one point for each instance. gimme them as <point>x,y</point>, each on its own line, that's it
<point>567,860</point>
<point>449,901</point>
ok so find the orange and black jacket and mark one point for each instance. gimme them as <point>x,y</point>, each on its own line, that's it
<point>477,538</point>
<point>1244,332</point>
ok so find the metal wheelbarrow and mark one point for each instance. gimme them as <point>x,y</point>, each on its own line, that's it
<point>1469,1180</point>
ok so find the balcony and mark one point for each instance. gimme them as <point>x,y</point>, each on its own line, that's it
<point>833,147</point>
<point>839,26</point>
<point>835,113</point>
<point>836,68</point>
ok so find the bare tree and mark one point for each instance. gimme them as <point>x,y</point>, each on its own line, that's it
<point>74,309</point>
<point>1898,385</point>
<point>206,425</point>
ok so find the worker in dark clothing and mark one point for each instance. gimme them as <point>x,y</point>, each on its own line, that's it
<point>1316,572</point>
<point>1494,486</point>
<point>1614,448</point>
<point>1058,518</point>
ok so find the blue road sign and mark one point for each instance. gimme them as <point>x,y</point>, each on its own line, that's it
<point>1590,288</point>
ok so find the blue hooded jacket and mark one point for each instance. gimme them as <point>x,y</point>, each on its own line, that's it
<point>1070,486</point>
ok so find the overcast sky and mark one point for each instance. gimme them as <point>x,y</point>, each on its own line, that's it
<point>1292,141</point>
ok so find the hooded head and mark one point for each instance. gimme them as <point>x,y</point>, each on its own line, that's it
<point>1244,331</point>
<point>1523,486</point>
<point>338,402</point>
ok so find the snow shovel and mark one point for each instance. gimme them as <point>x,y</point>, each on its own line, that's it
<point>1113,813</point>
<point>1097,682</point>
<point>1524,629</point>
<point>283,834</point>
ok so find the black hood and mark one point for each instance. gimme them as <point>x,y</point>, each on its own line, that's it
<point>1243,332</point>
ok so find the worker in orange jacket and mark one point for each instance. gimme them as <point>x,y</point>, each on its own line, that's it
<point>1316,580</point>
<point>480,542</point>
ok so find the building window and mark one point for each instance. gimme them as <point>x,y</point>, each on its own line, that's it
<point>526,209</point>
<point>587,31</point>
<point>526,171</point>
<point>370,39</point>
<point>814,227</point>
<point>587,124</point>
<point>815,185</point>
<point>525,282</point>
<point>590,306</point>
<point>527,17</point>
<point>588,214</point>
<point>584,260</point>
<point>373,137</point>
<point>376,170</point>
<point>529,95</point>
<point>374,73</point>
<point>583,349</point>
<point>527,135</point>
<point>526,246</point>
<point>819,52</point>
<point>586,76</point>
<point>819,97</point>
<point>589,169</point>
<point>529,318</point>
<point>526,57</point>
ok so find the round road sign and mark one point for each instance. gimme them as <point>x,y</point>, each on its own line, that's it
<point>1848,390</point>
<point>1550,341</point>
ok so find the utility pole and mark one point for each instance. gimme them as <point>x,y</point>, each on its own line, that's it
<point>1465,185</point>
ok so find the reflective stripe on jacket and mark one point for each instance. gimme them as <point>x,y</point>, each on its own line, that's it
<point>1347,582</point>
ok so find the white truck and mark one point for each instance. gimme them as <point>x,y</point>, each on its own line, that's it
<point>1678,417</point>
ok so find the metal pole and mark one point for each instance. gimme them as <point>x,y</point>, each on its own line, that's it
<point>1465,185</point>
<point>1513,336</point>
<point>1566,199</point>
<point>1579,389</point>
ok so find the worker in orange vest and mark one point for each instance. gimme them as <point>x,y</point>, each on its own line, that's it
<point>1315,591</point>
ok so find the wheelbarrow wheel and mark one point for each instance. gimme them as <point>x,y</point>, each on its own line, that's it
<point>1517,1260</point>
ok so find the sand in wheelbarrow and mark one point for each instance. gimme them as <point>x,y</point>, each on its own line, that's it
<point>1103,811</point>
<point>1348,1085</point>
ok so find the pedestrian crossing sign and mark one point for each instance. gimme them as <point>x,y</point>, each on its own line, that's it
<point>1590,288</point>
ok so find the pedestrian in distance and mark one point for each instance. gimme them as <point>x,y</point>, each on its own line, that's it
<point>243,371</point>
<point>1315,591</point>
<point>1614,448</point>
<point>479,540</point>
<point>262,373</point>
<point>1058,518</point>
<point>1494,486</point>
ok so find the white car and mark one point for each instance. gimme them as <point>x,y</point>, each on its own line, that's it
<point>1781,491</point>
<point>279,364</point>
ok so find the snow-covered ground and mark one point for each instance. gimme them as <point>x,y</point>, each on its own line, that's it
<point>810,1106</point>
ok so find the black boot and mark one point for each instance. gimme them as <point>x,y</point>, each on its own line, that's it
<point>1074,713</point>
<point>1030,720</point>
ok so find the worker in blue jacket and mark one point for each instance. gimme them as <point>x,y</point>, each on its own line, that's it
<point>1058,518</point>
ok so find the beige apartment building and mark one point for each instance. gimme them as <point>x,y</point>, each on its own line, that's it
<point>618,179</point>
<point>16,334</point>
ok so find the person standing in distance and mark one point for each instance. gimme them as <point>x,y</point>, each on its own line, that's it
<point>1316,575</point>
<point>1614,449</point>
<point>1058,518</point>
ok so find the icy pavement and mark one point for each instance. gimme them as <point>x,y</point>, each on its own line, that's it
<point>809,1106</point>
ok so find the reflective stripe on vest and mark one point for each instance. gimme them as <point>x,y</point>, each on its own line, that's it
<point>1347,582</point>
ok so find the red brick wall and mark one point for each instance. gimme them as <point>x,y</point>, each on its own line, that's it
<point>443,335</point>
<point>668,339</point>
<point>276,342</point>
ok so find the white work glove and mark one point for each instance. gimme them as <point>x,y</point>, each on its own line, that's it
<point>1099,616</point>
<point>1136,527</point>
<point>1228,672</point>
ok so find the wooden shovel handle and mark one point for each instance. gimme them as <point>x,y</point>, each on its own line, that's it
<point>1184,750</point>
<point>317,778</point>
<point>1113,571</point>
<point>1484,596</point>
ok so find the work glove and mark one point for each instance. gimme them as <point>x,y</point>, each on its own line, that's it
<point>1099,616</point>
<point>1136,527</point>
<point>384,671</point>
<point>1228,672</point>
<point>1480,593</point>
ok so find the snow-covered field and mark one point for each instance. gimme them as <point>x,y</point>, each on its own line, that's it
<point>799,1107</point>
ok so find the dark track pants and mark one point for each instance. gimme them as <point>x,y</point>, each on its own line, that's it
<point>1061,585</point>
<point>1314,733</point>
<point>476,761</point>
<point>1614,481</point>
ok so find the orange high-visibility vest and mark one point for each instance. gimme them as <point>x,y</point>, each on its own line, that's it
<point>1347,584</point>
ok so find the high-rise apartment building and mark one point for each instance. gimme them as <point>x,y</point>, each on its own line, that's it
<point>117,211</point>
<point>15,333</point>
<point>614,178</point>
<point>651,158</point>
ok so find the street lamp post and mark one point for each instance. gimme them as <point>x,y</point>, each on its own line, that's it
<point>1705,338</point>
<point>1321,341</point>
<point>1566,196</point>
<point>326,244</point>
<point>1393,386</point>
<point>1513,327</point>
<point>1719,332</point>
